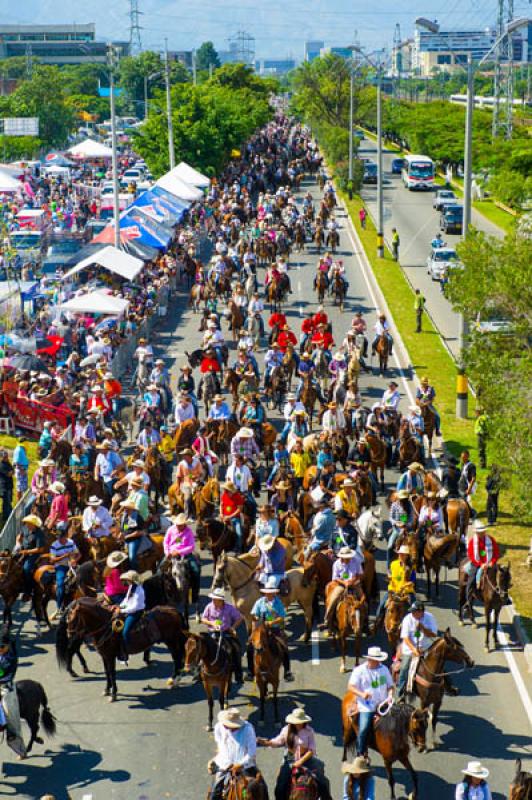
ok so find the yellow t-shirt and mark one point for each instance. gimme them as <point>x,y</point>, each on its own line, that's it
<point>349,504</point>
<point>300,463</point>
<point>400,574</point>
<point>167,447</point>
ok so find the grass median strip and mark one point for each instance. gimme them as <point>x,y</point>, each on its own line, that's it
<point>428,356</point>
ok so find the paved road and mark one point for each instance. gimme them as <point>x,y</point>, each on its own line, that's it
<point>417,223</point>
<point>152,743</point>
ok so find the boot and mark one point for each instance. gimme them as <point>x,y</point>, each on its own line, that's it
<point>288,676</point>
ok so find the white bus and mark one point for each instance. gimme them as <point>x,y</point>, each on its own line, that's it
<point>418,172</point>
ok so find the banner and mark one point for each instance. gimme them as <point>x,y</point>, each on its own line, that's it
<point>31,414</point>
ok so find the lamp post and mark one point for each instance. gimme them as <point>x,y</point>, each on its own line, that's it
<point>112,56</point>
<point>351,103</point>
<point>171,152</point>
<point>147,79</point>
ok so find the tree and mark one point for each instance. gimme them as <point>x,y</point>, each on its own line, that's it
<point>207,55</point>
<point>44,96</point>
<point>322,90</point>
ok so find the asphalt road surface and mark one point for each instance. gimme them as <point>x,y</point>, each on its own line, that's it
<point>417,223</point>
<point>152,744</point>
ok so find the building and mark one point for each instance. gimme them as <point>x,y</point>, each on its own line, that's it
<point>183,56</point>
<point>402,59</point>
<point>343,52</point>
<point>274,66</point>
<point>448,50</point>
<point>312,49</point>
<point>55,44</point>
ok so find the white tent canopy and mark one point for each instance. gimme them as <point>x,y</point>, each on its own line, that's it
<point>8,183</point>
<point>97,302</point>
<point>113,260</point>
<point>179,187</point>
<point>190,175</point>
<point>90,149</point>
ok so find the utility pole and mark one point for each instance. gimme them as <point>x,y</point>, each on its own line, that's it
<point>351,103</point>
<point>194,70</point>
<point>171,152</point>
<point>145,98</point>
<point>112,57</point>
<point>211,68</point>
<point>380,201</point>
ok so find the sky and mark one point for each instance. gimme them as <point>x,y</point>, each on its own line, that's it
<point>280,27</point>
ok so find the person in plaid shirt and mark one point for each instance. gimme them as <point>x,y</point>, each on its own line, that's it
<point>243,444</point>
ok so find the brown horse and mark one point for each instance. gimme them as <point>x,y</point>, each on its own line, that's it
<point>88,618</point>
<point>231,382</point>
<point>309,395</point>
<point>319,567</point>
<point>495,585</point>
<point>156,469</point>
<point>289,364</point>
<point>206,501</point>
<point>377,454</point>
<point>243,787</point>
<point>339,291</point>
<point>390,736</point>
<point>299,238</point>
<point>409,450</point>
<point>269,436</point>
<point>396,610</point>
<point>521,786</point>
<point>458,516</point>
<point>318,238</point>
<point>213,659</point>
<point>237,319</point>
<point>437,551</point>
<point>321,285</point>
<point>274,295</point>
<point>220,433</point>
<point>383,351</point>
<point>267,661</point>
<point>292,529</point>
<point>351,618</point>
<point>185,434</point>
<point>429,422</point>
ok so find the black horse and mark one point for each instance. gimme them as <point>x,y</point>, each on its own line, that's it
<point>31,698</point>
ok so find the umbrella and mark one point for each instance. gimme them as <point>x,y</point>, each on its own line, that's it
<point>90,361</point>
<point>28,362</point>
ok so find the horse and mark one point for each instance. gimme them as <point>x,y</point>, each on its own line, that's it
<point>188,584</point>
<point>318,238</point>
<point>278,385</point>
<point>437,551</point>
<point>458,514</point>
<point>269,437</point>
<point>87,617</point>
<point>495,585</point>
<point>220,433</point>
<point>396,610</point>
<point>274,295</point>
<point>332,240</point>
<point>363,489</point>
<point>299,238</point>
<point>383,351</point>
<point>240,577</point>
<point>390,735</point>
<point>409,449</point>
<point>429,423</point>
<point>369,526</point>
<point>156,470</point>
<point>197,294</point>
<point>243,787</point>
<point>429,680</point>
<point>339,290</point>
<point>321,285</point>
<point>208,388</point>
<point>221,536</point>
<point>214,660</point>
<point>319,565</point>
<point>11,583</point>
<point>33,702</point>
<point>236,319</point>
<point>60,452</point>
<point>267,661</point>
<point>377,454</point>
<point>206,501</point>
<point>309,395</point>
<point>289,363</point>
<point>351,616</point>
<point>521,786</point>
<point>185,434</point>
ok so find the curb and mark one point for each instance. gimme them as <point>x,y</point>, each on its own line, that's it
<point>515,619</point>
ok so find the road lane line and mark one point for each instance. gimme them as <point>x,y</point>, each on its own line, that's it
<point>315,642</point>
<point>516,674</point>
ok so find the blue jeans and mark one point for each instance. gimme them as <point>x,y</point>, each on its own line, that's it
<point>369,793</point>
<point>60,577</point>
<point>396,532</point>
<point>285,431</point>
<point>403,673</point>
<point>132,550</point>
<point>365,722</point>
<point>129,622</point>
<point>237,525</point>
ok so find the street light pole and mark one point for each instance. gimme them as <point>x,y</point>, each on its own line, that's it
<point>351,103</point>
<point>145,98</point>
<point>113,57</point>
<point>171,152</point>
<point>380,203</point>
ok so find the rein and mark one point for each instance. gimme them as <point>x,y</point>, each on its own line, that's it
<point>241,586</point>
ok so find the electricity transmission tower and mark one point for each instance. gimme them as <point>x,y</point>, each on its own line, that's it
<point>135,43</point>
<point>503,88</point>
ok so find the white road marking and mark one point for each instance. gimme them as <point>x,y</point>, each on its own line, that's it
<point>315,643</point>
<point>87,797</point>
<point>299,287</point>
<point>516,675</point>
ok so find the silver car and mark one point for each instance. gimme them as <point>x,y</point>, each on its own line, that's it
<point>440,261</point>
<point>442,197</point>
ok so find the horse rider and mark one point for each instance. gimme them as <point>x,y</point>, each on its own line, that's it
<point>236,745</point>
<point>425,394</point>
<point>63,553</point>
<point>244,444</point>
<point>253,415</point>
<point>96,520</point>
<point>269,610</point>
<point>201,449</point>
<point>222,619</point>
<point>346,573</point>
<point>337,268</point>
<point>307,368</point>
<point>371,683</point>
<point>412,479</point>
<point>43,477</point>
<point>287,337</point>
<point>401,580</point>
<point>114,589</point>
<point>333,420</point>
<point>322,530</point>
<point>272,562</point>
<point>166,448</point>
<point>78,463</point>
<point>418,629</point>
<point>148,437</point>
<point>416,427</point>
<point>180,543</point>
<point>188,473</point>
<point>450,483</point>
<point>391,398</point>
<point>345,534</point>
<point>402,518</point>
<point>482,553</point>
<point>474,785</point>
<point>299,741</point>
<point>231,506</point>
<point>359,326</point>
<point>240,474</point>
<point>346,500</point>
<point>107,461</point>
<point>468,481</point>
<point>131,608</point>
<point>187,385</point>
<point>292,404</point>
<point>219,410</point>
<point>307,329</point>
<point>430,516</point>
<point>184,409</point>
<point>267,523</point>
<point>8,694</point>
<point>381,328</point>
<point>213,338</point>
<point>30,545</point>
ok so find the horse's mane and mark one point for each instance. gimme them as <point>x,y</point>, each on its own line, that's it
<point>397,721</point>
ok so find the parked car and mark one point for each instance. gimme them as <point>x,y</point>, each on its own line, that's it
<point>452,218</point>
<point>359,134</point>
<point>493,321</point>
<point>397,166</point>
<point>440,260</point>
<point>443,197</point>
<point>370,172</point>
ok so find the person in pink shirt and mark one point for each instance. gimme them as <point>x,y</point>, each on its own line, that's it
<point>114,589</point>
<point>179,542</point>
<point>59,507</point>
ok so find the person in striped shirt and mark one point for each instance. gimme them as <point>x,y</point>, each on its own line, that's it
<point>63,552</point>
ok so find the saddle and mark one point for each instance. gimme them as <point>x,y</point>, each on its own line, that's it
<point>148,627</point>
<point>284,587</point>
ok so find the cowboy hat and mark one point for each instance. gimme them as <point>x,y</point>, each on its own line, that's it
<point>270,585</point>
<point>245,433</point>
<point>115,559</point>
<point>94,501</point>
<point>284,485</point>
<point>138,462</point>
<point>290,396</point>
<point>231,718</point>
<point>187,452</point>
<point>32,519</point>
<point>357,767</point>
<point>136,481</point>
<point>47,462</point>
<point>181,519</point>
<point>431,495</point>
<point>414,408</point>
<point>346,552</point>
<point>97,389</point>
<point>376,654</point>
<point>475,770</point>
<point>415,466</point>
<point>57,487</point>
<point>186,367</point>
<point>230,486</point>
<point>403,550</point>
<point>218,397</point>
<point>217,594</point>
<point>338,356</point>
<point>332,404</point>
<point>479,526</point>
<point>348,482</point>
<point>424,380</point>
<point>297,717</point>
<point>131,576</point>
<point>403,494</point>
<point>266,542</point>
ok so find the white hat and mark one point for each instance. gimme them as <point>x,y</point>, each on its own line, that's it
<point>376,654</point>
<point>414,408</point>
<point>138,462</point>
<point>479,526</point>
<point>181,519</point>
<point>94,501</point>
<point>297,717</point>
<point>476,770</point>
<point>47,462</point>
<point>217,594</point>
<point>338,356</point>
<point>346,552</point>
<point>115,559</point>
<point>266,542</point>
<point>359,766</point>
<point>245,433</point>
<point>404,549</point>
<point>131,576</point>
<point>270,585</point>
<point>231,718</point>
<point>57,487</point>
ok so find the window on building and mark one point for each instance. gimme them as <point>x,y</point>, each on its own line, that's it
<point>460,58</point>
<point>444,59</point>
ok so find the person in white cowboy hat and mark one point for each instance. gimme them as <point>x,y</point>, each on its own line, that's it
<point>107,461</point>
<point>223,619</point>
<point>359,782</point>
<point>219,410</point>
<point>299,740</point>
<point>132,606</point>
<point>418,629</point>
<point>59,506</point>
<point>138,470</point>
<point>372,684</point>
<point>402,517</point>
<point>482,552</point>
<point>345,499</point>
<point>346,573</point>
<point>63,553</point>
<point>43,477</point>
<point>290,407</point>
<point>236,746</point>
<point>30,545</point>
<point>113,586</point>
<point>474,785</point>
<point>96,520</point>
<point>270,610</point>
<point>416,424</point>
<point>272,562</point>
<point>412,479</point>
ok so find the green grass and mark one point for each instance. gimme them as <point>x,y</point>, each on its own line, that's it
<point>429,357</point>
<point>496,215</point>
<point>10,442</point>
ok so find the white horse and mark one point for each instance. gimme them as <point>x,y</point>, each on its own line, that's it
<point>369,526</point>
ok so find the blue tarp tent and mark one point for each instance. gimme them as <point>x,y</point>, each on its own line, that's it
<point>159,208</point>
<point>170,199</point>
<point>144,229</point>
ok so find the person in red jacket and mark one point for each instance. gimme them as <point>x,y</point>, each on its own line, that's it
<point>209,362</point>
<point>277,320</point>
<point>99,401</point>
<point>320,317</point>
<point>307,329</point>
<point>482,552</point>
<point>285,338</point>
<point>322,337</point>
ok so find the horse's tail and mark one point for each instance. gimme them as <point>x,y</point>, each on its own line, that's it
<point>461,519</point>
<point>62,643</point>
<point>374,588</point>
<point>47,718</point>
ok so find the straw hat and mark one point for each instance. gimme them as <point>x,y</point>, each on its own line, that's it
<point>136,481</point>
<point>266,542</point>
<point>128,503</point>
<point>403,550</point>
<point>346,552</point>
<point>475,769</point>
<point>138,462</point>
<point>181,519</point>
<point>479,526</point>
<point>298,717</point>
<point>94,501</point>
<point>245,433</point>
<point>376,654</point>
<point>217,594</point>
<point>403,494</point>
<point>47,462</point>
<point>415,466</point>
<point>131,576</point>
<point>338,356</point>
<point>57,487</point>
<point>230,486</point>
<point>348,482</point>
<point>357,767</point>
<point>231,718</point>
<point>115,559</point>
<point>32,519</point>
